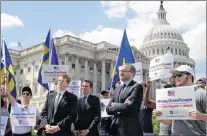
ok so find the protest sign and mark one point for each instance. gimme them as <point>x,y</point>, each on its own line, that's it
<point>23,116</point>
<point>50,72</point>
<point>160,67</point>
<point>75,87</point>
<point>4,120</point>
<point>175,103</point>
<point>104,103</point>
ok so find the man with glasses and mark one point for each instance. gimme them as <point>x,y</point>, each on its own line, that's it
<point>184,76</point>
<point>125,104</point>
<point>60,110</point>
<point>89,112</point>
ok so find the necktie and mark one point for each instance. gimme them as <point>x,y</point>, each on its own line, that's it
<point>57,100</point>
<point>83,102</point>
<point>5,104</point>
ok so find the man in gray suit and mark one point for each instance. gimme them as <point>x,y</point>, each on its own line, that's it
<point>125,104</point>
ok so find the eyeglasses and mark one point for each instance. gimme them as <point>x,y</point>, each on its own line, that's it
<point>26,94</point>
<point>124,71</point>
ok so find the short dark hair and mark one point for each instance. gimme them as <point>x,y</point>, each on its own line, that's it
<point>88,81</point>
<point>28,89</point>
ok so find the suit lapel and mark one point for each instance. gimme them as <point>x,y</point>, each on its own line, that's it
<point>53,100</point>
<point>119,93</point>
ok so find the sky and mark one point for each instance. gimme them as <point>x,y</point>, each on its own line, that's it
<point>96,21</point>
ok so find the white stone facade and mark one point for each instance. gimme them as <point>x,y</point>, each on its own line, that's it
<point>84,59</point>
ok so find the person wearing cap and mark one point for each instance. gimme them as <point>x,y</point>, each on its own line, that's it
<point>105,121</point>
<point>184,76</point>
<point>105,94</point>
<point>25,100</point>
<point>201,83</point>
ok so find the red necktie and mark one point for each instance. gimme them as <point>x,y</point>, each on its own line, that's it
<point>5,104</point>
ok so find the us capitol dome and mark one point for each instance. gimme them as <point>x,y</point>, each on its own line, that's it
<point>163,37</point>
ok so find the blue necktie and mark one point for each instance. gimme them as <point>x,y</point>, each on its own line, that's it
<point>83,102</point>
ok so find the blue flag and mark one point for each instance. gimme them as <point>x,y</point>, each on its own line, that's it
<point>6,64</point>
<point>125,56</point>
<point>49,56</point>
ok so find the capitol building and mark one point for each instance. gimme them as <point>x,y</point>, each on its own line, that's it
<point>95,61</point>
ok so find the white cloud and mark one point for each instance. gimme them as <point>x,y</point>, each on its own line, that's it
<point>115,9</point>
<point>60,33</point>
<point>196,40</point>
<point>8,21</point>
<point>103,34</point>
<point>13,44</point>
<point>188,17</point>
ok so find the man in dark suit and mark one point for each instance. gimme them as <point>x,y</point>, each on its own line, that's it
<point>60,110</point>
<point>125,104</point>
<point>89,112</point>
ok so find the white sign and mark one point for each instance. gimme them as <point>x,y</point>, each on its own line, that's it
<point>50,72</point>
<point>75,87</point>
<point>21,116</point>
<point>139,75</point>
<point>160,67</point>
<point>4,120</point>
<point>104,103</point>
<point>174,103</point>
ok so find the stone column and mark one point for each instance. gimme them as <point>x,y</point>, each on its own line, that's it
<point>77,68</point>
<point>17,80</point>
<point>33,74</point>
<point>66,59</point>
<point>86,69</point>
<point>94,77</point>
<point>103,76</point>
<point>111,69</point>
<point>25,73</point>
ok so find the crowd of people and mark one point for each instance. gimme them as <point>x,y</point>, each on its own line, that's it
<point>130,108</point>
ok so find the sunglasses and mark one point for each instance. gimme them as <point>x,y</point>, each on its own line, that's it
<point>180,74</point>
<point>26,94</point>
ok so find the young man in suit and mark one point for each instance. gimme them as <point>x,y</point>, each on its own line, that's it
<point>60,110</point>
<point>89,112</point>
<point>125,104</point>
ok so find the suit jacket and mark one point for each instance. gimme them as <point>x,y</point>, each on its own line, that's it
<point>125,121</point>
<point>66,113</point>
<point>89,117</point>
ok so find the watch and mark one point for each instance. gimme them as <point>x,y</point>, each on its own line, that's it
<point>87,130</point>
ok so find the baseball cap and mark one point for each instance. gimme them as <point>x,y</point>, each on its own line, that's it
<point>103,92</point>
<point>183,68</point>
<point>203,80</point>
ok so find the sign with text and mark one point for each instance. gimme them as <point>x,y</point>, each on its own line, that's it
<point>139,74</point>
<point>175,103</point>
<point>160,67</point>
<point>23,116</point>
<point>104,103</point>
<point>75,87</point>
<point>4,120</point>
<point>50,72</point>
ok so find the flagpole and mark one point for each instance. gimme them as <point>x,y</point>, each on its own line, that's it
<point>3,53</point>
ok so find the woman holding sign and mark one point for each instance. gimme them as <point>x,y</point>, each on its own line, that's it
<point>5,122</point>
